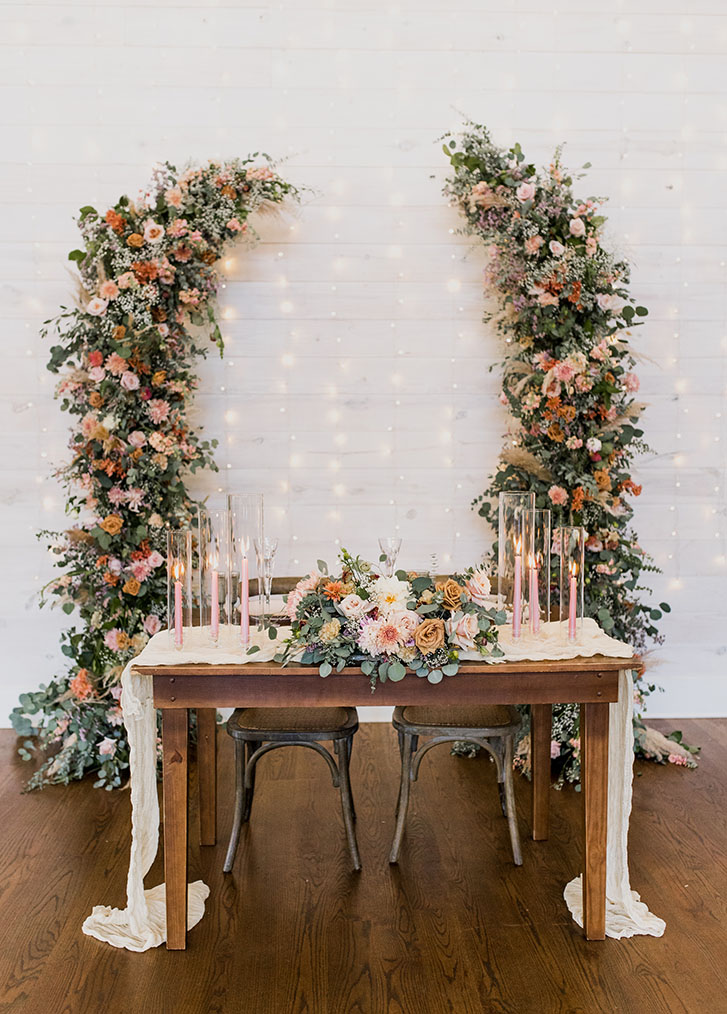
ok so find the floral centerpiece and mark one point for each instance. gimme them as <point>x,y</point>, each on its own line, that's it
<point>389,625</point>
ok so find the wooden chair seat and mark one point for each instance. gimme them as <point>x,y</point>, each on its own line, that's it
<point>322,723</point>
<point>462,716</point>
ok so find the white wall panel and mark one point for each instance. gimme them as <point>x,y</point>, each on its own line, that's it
<point>356,390</point>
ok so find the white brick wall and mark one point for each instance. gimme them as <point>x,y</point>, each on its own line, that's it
<point>356,387</point>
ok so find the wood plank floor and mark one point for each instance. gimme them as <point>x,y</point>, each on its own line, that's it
<point>455,928</point>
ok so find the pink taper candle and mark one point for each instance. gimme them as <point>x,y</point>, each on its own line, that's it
<point>517,591</point>
<point>534,598</point>
<point>572,600</point>
<point>244,603</point>
<point>215,596</point>
<point>178,630</point>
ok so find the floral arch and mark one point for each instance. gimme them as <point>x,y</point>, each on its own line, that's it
<point>127,352</point>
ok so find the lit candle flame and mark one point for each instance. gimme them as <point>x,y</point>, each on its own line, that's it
<point>213,560</point>
<point>245,544</point>
<point>178,570</point>
<point>573,568</point>
<point>518,543</point>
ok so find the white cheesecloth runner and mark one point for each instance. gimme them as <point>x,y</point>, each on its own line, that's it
<point>142,924</point>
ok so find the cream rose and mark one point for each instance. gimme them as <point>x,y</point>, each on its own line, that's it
<point>525,192</point>
<point>478,587</point>
<point>463,631</point>
<point>353,606</point>
<point>577,227</point>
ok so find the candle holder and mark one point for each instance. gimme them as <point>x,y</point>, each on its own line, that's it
<point>179,584</point>
<point>539,571</point>
<point>571,542</point>
<point>215,573</point>
<point>513,549</point>
<point>199,535</point>
<point>246,525</point>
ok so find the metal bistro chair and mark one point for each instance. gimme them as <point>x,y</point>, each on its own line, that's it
<point>257,731</point>
<point>491,727</point>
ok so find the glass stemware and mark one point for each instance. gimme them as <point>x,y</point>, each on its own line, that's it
<point>265,550</point>
<point>389,546</point>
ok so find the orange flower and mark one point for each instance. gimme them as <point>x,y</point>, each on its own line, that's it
<point>115,220</point>
<point>136,454</point>
<point>112,524</point>
<point>229,191</point>
<point>102,560</point>
<point>145,271</point>
<point>135,240</point>
<point>159,377</point>
<point>111,579</point>
<point>95,400</point>
<point>556,433</point>
<point>579,495</point>
<point>603,479</point>
<point>81,686</point>
<point>568,412</point>
<point>118,332</point>
<point>333,590</point>
<point>131,587</point>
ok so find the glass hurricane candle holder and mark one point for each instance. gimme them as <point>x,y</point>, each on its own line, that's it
<point>215,572</point>
<point>199,534</point>
<point>513,550</point>
<point>246,525</point>
<point>539,571</point>
<point>571,542</point>
<point>179,584</point>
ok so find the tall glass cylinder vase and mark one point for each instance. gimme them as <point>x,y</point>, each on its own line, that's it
<point>513,549</point>
<point>179,584</point>
<point>571,542</point>
<point>539,572</point>
<point>199,534</point>
<point>246,525</point>
<point>215,573</point>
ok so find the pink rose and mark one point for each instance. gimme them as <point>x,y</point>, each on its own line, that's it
<point>577,227</point>
<point>97,374</point>
<point>260,173</point>
<point>108,290</point>
<point>591,245</point>
<point>557,249</point>
<point>558,495</point>
<point>406,622</point>
<point>525,192</point>
<point>632,382</point>
<point>554,749</point>
<point>137,438</point>
<point>107,747</point>
<point>96,307</point>
<point>127,280</point>
<point>463,631</point>
<point>129,380</point>
<point>155,559</point>
<point>152,624</point>
<point>234,225</point>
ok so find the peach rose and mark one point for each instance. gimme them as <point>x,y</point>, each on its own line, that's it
<point>525,192</point>
<point>132,586</point>
<point>429,636</point>
<point>577,227</point>
<point>153,232</point>
<point>135,240</point>
<point>478,587</point>
<point>112,524</point>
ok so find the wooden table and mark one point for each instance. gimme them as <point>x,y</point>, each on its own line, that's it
<point>590,682</point>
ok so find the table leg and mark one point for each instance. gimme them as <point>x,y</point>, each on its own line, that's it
<point>594,777</point>
<point>174,747</point>
<point>541,724</point>
<point>207,774</point>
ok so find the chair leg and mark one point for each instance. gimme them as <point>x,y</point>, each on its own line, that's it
<point>341,748</point>
<point>403,804</point>
<point>239,804</point>
<point>349,750</point>
<point>510,803</point>
<point>503,802</point>
<point>251,747</point>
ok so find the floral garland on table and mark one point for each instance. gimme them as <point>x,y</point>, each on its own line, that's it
<point>127,356</point>
<point>390,624</point>
<point>564,310</point>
